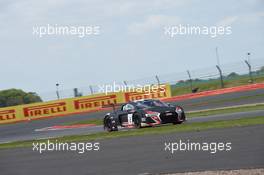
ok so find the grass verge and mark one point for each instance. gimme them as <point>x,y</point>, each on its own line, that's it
<point>186,127</point>
<point>214,84</point>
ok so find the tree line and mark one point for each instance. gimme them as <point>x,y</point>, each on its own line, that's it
<point>12,97</point>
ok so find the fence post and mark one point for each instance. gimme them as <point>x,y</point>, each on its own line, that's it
<point>91,89</point>
<point>57,91</point>
<point>125,83</point>
<point>221,76</point>
<point>157,78</point>
<point>76,92</point>
<point>249,70</point>
<point>190,80</point>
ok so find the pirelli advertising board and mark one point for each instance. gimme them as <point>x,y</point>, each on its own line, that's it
<point>161,92</point>
<point>9,114</point>
<point>76,105</point>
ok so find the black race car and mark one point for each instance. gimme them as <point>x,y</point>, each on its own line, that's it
<point>143,113</point>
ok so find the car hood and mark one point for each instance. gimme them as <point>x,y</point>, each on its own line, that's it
<point>160,109</point>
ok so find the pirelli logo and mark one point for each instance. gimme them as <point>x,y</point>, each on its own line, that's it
<point>95,102</point>
<point>132,96</point>
<point>7,115</point>
<point>49,109</point>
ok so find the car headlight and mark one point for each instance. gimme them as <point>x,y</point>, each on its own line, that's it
<point>178,109</point>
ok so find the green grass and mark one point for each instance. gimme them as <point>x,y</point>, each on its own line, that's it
<point>214,84</point>
<point>186,127</point>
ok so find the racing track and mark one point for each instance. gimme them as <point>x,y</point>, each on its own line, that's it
<point>26,130</point>
<point>145,154</point>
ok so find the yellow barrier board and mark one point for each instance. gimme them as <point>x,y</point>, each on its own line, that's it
<point>94,102</point>
<point>10,114</point>
<point>76,105</point>
<point>158,92</point>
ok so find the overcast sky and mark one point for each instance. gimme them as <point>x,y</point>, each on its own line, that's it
<point>131,43</point>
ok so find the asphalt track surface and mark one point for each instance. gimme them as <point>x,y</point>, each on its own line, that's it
<point>144,155</point>
<point>28,130</point>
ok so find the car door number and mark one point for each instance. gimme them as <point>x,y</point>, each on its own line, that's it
<point>130,119</point>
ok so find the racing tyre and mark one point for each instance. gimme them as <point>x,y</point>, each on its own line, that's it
<point>110,125</point>
<point>137,121</point>
<point>180,119</point>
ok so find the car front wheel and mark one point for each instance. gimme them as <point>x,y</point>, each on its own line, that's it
<point>110,125</point>
<point>137,122</point>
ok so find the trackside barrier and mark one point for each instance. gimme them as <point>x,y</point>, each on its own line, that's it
<point>94,103</point>
<point>78,105</point>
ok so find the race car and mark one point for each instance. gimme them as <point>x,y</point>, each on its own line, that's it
<point>142,113</point>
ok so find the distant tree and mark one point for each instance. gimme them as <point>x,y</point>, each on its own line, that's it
<point>233,74</point>
<point>181,81</point>
<point>197,79</point>
<point>261,70</point>
<point>12,97</point>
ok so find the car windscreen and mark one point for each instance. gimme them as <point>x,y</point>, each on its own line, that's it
<point>151,103</point>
